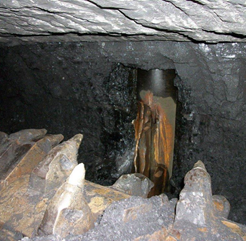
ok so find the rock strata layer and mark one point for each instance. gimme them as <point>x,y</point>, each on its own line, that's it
<point>200,20</point>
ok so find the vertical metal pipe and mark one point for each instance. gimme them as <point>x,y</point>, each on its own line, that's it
<point>155,126</point>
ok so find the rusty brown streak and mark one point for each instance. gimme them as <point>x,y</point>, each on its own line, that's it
<point>154,137</point>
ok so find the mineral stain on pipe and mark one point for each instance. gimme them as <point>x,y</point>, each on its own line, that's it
<point>155,126</point>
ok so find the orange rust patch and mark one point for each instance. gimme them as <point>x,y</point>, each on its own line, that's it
<point>176,233</point>
<point>154,143</point>
<point>159,235</point>
<point>204,230</point>
<point>218,206</point>
<point>170,238</point>
<point>234,228</point>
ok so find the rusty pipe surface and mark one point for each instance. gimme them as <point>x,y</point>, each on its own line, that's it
<point>155,126</point>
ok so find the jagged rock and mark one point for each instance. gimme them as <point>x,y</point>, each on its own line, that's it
<point>195,200</point>
<point>14,147</point>
<point>21,137</point>
<point>31,159</point>
<point>134,218</point>
<point>199,215</point>
<point>135,184</point>
<point>196,217</point>
<point>27,135</point>
<point>221,206</point>
<point>56,167</point>
<point>11,157</point>
<point>124,162</point>
<point>68,212</point>
<point>22,208</point>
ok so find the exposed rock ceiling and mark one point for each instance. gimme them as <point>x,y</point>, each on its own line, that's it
<point>208,21</point>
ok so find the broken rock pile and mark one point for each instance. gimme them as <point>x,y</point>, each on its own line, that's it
<point>44,196</point>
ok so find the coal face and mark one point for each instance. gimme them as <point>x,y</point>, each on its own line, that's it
<point>71,89</point>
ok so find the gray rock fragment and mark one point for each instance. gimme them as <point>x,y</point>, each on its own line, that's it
<point>195,202</point>
<point>56,167</point>
<point>135,184</point>
<point>28,135</point>
<point>196,217</point>
<point>221,206</point>
<point>68,212</point>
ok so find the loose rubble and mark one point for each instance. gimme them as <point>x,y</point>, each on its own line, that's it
<point>74,209</point>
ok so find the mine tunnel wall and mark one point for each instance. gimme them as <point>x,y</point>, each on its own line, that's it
<point>91,88</point>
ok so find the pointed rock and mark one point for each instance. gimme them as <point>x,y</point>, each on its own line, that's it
<point>57,166</point>
<point>28,135</point>
<point>196,214</point>
<point>14,147</point>
<point>200,164</point>
<point>195,204</point>
<point>68,212</point>
<point>31,159</point>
